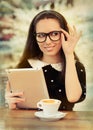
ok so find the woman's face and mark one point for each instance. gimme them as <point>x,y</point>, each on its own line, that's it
<point>47,46</point>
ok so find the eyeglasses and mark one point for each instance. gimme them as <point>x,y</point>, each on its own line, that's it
<point>54,36</point>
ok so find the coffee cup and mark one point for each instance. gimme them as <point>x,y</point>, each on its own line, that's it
<point>49,106</point>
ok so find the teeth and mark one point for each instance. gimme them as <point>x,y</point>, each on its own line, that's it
<point>50,48</point>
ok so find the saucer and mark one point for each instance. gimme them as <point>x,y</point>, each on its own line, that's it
<point>55,117</point>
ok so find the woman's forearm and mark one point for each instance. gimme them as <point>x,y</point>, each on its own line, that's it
<point>72,84</point>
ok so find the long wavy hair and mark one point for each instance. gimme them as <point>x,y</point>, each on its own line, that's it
<point>32,50</point>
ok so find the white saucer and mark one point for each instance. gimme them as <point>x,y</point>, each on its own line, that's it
<point>55,117</point>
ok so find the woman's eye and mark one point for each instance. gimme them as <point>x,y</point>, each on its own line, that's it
<point>54,33</point>
<point>40,35</point>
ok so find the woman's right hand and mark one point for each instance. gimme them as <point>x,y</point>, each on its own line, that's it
<point>13,98</point>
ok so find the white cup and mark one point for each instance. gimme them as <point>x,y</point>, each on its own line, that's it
<point>49,106</point>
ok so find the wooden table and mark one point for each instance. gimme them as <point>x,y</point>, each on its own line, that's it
<point>25,120</point>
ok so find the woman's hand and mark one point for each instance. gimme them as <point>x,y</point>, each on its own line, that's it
<point>13,98</point>
<point>68,44</point>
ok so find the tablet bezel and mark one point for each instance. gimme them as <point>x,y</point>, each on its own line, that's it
<point>29,81</point>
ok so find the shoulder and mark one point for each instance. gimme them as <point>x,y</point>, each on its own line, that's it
<point>80,66</point>
<point>81,72</point>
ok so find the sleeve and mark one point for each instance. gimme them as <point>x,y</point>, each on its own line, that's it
<point>82,78</point>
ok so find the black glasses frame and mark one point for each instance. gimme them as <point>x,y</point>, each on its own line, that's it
<point>49,35</point>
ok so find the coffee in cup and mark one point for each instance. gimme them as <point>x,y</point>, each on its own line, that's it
<point>49,106</point>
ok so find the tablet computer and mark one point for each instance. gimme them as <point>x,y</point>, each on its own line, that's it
<point>29,81</point>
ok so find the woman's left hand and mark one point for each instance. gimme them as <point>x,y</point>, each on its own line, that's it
<point>68,44</point>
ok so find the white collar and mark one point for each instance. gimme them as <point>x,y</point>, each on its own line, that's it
<point>35,63</point>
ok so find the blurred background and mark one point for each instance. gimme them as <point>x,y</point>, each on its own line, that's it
<point>15,18</point>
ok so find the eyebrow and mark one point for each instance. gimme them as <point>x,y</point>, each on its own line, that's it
<point>49,32</point>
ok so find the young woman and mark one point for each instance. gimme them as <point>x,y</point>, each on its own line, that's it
<point>50,45</point>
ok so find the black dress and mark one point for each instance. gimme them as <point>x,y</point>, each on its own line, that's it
<point>56,85</point>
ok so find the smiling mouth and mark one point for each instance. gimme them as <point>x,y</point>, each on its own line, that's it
<point>49,48</point>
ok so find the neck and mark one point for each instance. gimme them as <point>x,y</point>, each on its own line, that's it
<point>51,59</point>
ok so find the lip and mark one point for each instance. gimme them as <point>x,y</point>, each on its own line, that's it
<point>49,48</point>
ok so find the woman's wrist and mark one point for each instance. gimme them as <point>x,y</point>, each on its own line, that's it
<point>69,57</point>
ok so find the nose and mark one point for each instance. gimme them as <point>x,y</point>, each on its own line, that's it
<point>48,40</point>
